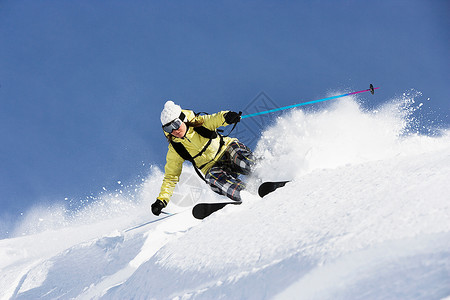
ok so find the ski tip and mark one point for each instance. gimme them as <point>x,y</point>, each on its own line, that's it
<point>268,187</point>
<point>371,88</point>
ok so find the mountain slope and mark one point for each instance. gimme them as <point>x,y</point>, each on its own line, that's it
<point>378,215</point>
<point>367,215</point>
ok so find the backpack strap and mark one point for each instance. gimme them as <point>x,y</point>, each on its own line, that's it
<point>181,150</point>
<point>206,133</point>
<point>221,143</point>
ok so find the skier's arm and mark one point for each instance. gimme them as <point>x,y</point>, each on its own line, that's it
<point>217,120</point>
<point>172,172</point>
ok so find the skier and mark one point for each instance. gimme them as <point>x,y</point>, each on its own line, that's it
<point>195,138</point>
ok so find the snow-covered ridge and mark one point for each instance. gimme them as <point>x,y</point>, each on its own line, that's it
<point>367,215</point>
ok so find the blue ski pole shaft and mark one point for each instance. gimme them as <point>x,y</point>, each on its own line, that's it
<point>371,89</point>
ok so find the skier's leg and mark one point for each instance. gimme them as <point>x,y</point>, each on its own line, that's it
<point>224,184</point>
<point>241,157</point>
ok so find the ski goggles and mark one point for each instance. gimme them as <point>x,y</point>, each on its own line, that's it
<point>174,125</point>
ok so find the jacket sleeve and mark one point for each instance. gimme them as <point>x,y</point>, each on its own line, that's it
<point>172,172</point>
<point>215,121</point>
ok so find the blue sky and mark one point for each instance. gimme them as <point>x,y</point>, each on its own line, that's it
<point>82,83</point>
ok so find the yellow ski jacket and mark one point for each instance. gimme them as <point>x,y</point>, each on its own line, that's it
<point>194,143</point>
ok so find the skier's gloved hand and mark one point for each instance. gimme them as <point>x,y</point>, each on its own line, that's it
<point>232,117</point>
<point>158,206</point>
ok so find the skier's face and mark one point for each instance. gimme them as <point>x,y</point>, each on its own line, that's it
<point>180,132</point>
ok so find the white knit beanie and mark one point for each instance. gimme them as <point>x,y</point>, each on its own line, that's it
<point>170,112</point>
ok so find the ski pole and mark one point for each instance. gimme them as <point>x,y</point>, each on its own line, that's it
<point>371,90</point>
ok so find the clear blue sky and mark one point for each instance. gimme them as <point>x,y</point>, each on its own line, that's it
<point>82,83</point>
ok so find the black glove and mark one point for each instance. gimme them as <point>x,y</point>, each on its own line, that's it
<point>158,206</point>
<point>232,117</point>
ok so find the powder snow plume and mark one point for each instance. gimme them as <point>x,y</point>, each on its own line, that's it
<point>344,133</point>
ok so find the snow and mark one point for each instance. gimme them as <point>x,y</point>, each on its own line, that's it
<point>366,216</point>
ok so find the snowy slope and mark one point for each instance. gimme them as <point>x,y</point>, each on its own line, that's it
<point>367,215</point>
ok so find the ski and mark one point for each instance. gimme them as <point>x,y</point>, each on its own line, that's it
<point>268,187</point>
<point>203,210</point>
